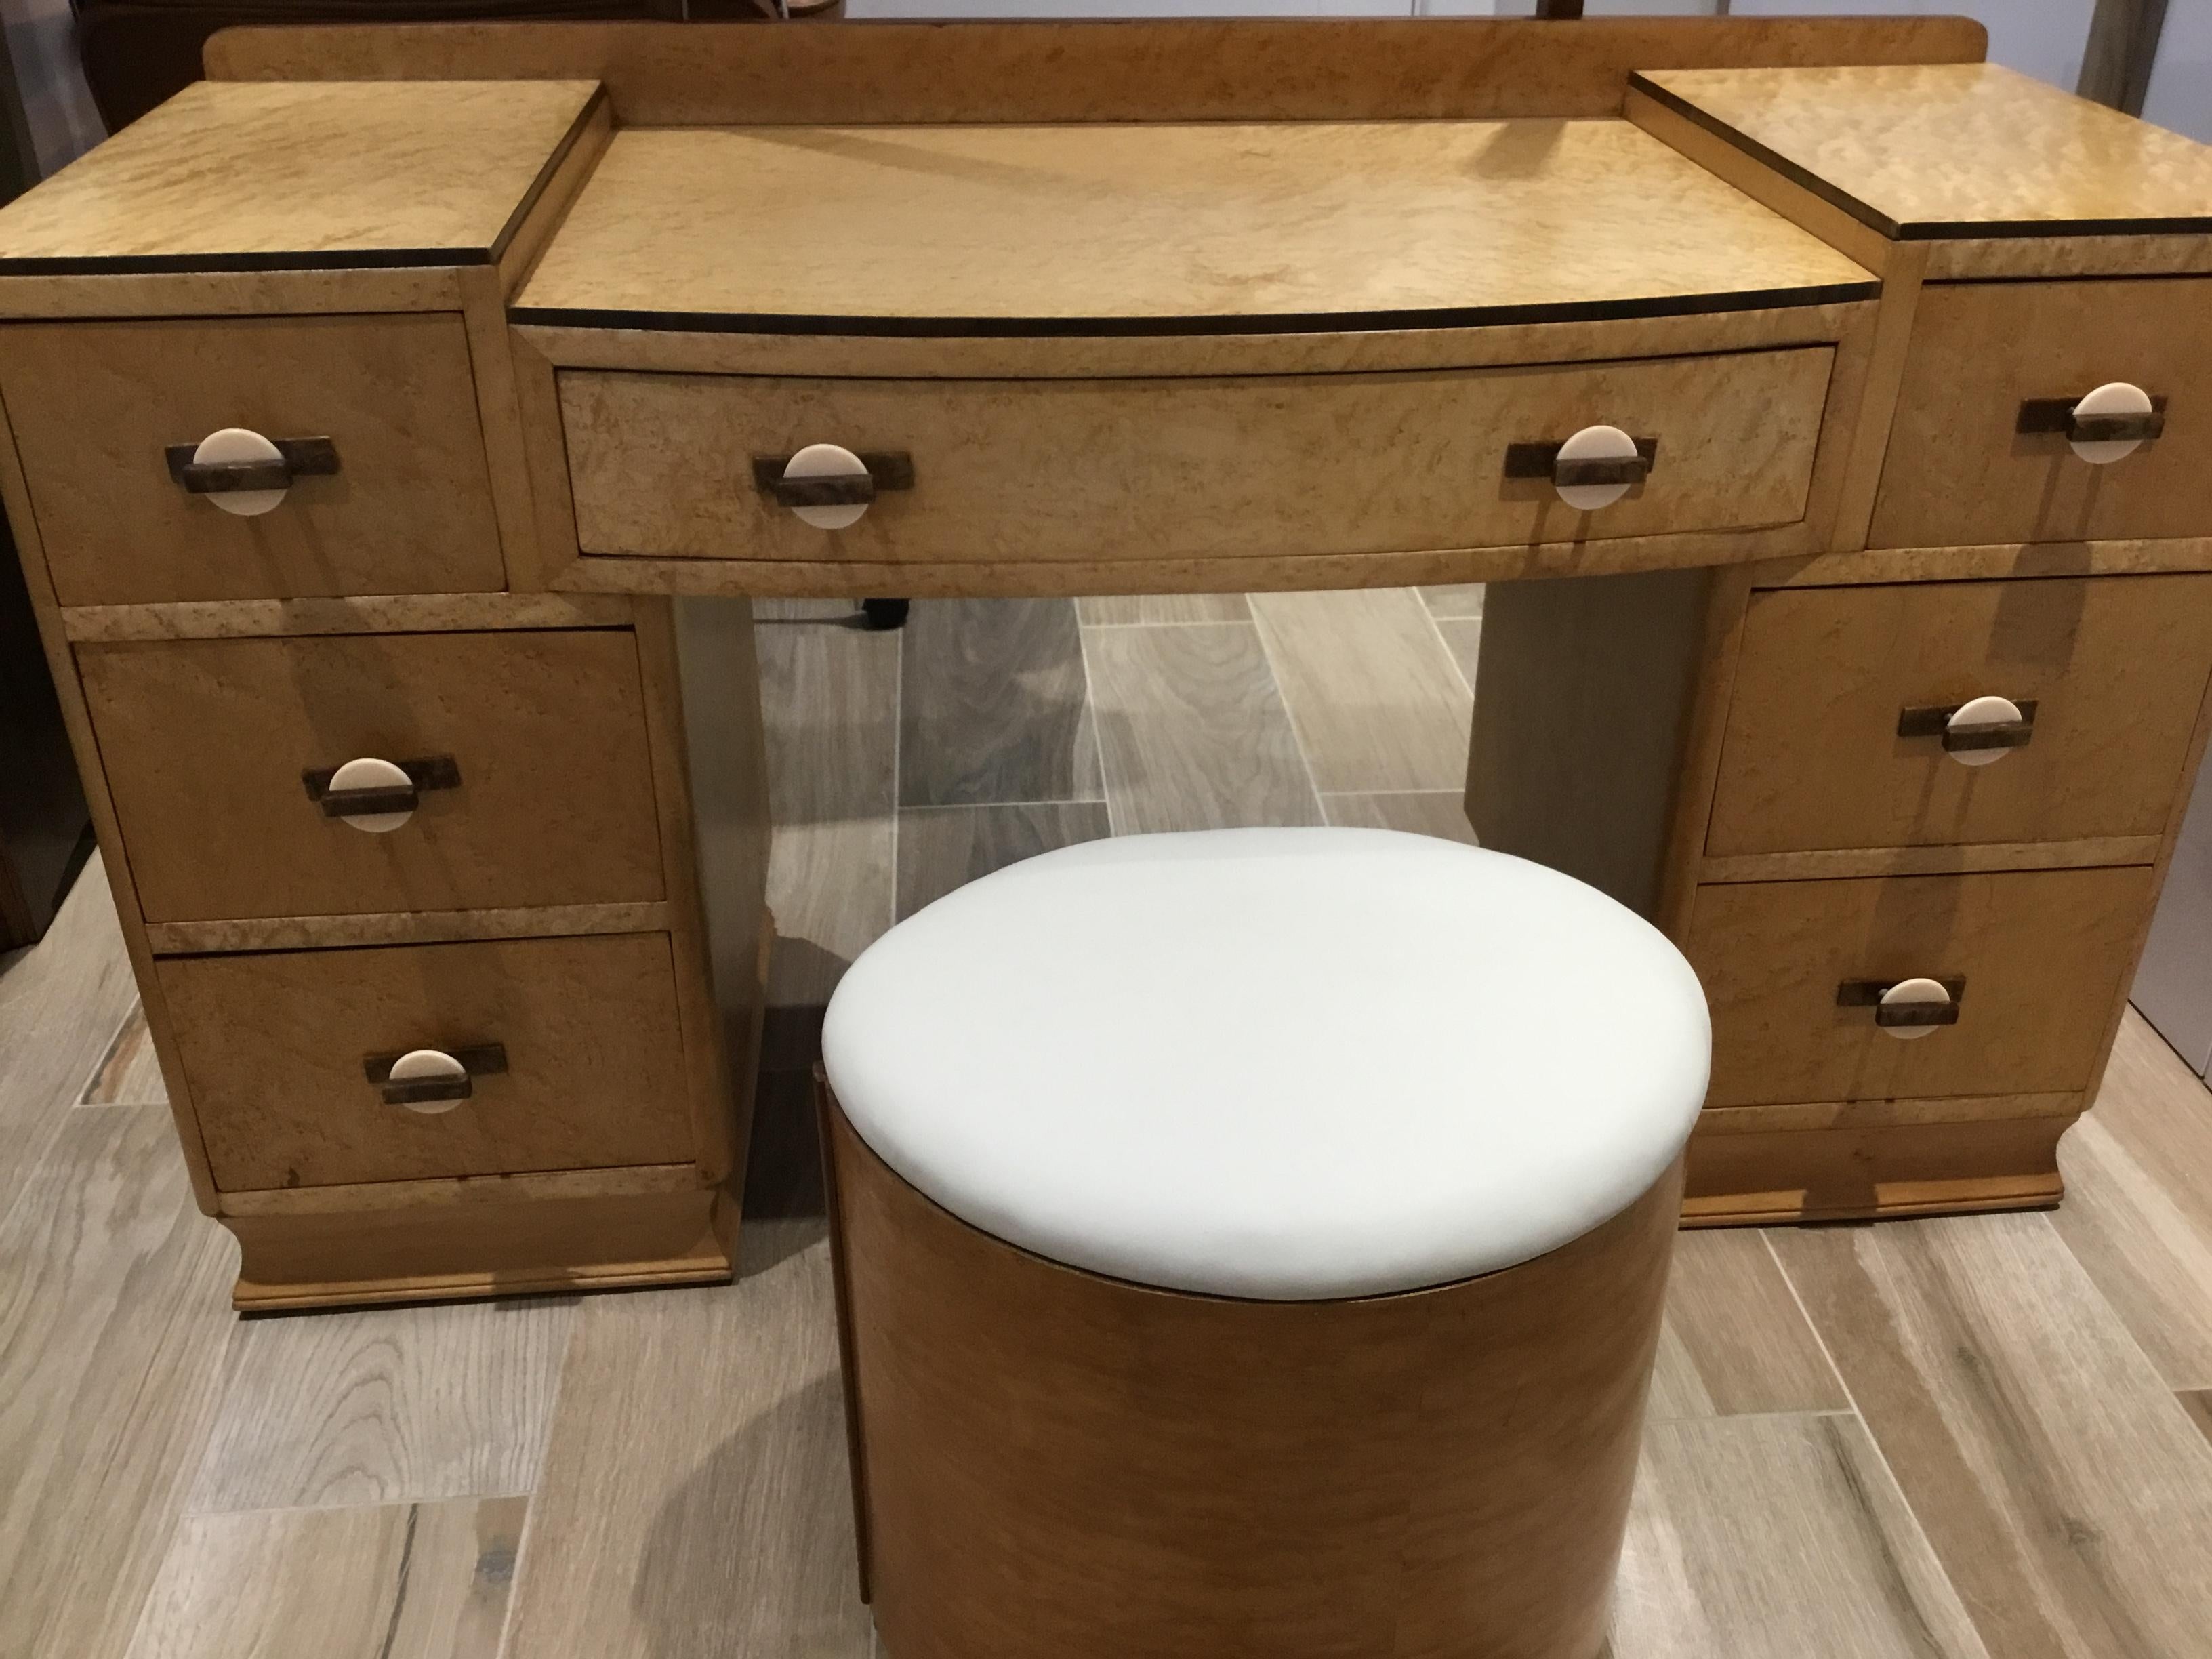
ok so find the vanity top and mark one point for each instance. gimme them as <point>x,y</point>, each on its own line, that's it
<point>1162,229</point>
<point>293,176</point>
<point>1934,150</point>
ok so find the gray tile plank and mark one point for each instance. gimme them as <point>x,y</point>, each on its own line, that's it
<point>114,1309</point>
<point>1373,694</point>
<point>942,847</point>
<point>1462,637</point>
<point>128,1074</point>
<point>694,1502</point>
<point>1418,811</point>
<point>993,706</point>
<point>1778,1538</point>
<point>1463,599</point>
<point>1735,1340</point>
<point>1121,610</point>
<point>2057,1476</point>
<point>426,1581</point>
<point>1193,730</point>
<point>384,1405</point>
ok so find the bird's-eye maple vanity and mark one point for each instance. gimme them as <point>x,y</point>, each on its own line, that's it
<point>401,419</point>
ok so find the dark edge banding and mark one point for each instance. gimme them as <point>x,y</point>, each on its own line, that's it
<point>1311,322</point>
<point>1917,230</point>
<point>561,152</point>
<point>379,258</point>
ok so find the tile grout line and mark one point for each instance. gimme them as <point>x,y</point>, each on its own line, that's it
<point>1097,731</point>
<point>1298,734</point>
<point>1451,657</point>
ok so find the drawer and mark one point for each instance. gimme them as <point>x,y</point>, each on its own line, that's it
<point>1958,470</point>
<point>97,405</point>
<point>2044,955</point>
<point>548,797</point>
<point>2114,666</point>
<point>275,1045</point>
<point>662,465</point>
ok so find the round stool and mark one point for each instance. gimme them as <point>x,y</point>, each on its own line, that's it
<point>1252,1242</point>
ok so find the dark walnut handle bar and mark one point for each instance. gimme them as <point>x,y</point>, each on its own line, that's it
<point>1542,461</point>
<point>1868,994</point>
<point>894,471</point>
<point>481,1060</point>
<point>2039,414</point>
<point>298,458</point>
<point>1933,721</point>
<point>433,772</point>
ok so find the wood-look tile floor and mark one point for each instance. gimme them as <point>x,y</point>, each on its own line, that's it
<point>1979,1438</point>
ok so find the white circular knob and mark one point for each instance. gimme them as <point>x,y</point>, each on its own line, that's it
<point>417,1064</point>
<point>1982,711</point>
<point>1595,443</point>
<point>228,448</point>
<point>2113,397</point>
<point>828,461</point>
<point>1913,991</point>
<point>368,773</point>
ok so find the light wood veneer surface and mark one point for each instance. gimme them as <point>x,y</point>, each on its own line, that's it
<point>1153,227</point>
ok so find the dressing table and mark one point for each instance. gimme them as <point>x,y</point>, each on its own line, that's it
<point>401,420</point>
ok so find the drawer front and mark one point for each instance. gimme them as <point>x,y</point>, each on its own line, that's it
<point>2115,668</point>
<point>97,405</point>
<point>206,743</point>
<point>662,465</point>
<point>1958,470</point>
<point>274,1045</point>
<point>2043,954</point>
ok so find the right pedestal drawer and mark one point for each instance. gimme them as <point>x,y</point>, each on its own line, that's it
<point>2034,961</point>
<point>1841,729</point>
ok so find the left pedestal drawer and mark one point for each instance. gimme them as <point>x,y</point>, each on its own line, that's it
<point>559,1053</point>
<point>509,769</point>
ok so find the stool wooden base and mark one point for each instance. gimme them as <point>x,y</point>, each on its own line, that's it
<point>1050,1462</point>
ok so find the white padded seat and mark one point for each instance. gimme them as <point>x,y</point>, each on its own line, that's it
<point>1281,1064</point>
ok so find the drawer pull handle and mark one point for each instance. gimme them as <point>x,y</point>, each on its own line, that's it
<point>1975,732</point>
<point>2102,426</point>
<point>245,473</point>
<point>828,487</point>
<point>1905,1008</point>
<point>378,795</point>
<point>1594,468</point>
<point>432,1080</point>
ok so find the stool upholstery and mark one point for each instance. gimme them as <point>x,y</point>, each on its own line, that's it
<point>1254,1243</point>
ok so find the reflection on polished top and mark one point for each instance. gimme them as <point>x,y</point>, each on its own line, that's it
<point>1081,228</point>
<point>1952,149</point>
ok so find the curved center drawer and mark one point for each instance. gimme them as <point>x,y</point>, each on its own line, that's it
<point>665,465</point>
<point>537,782</point>
<point>278,1049</point>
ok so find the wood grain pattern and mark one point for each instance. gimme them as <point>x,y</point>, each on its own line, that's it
<point>2096,558</point>
<point>416,1581</point>
<point>387,613</point>
<point>1779,1536</point>
<point>2054,1474</point>
<point>384,1406</point>
<point>2197,1402</point>
<point>405,928</point>
<point>109,1367</point>
<point>689,1511</point>
<point>274,1044</point>
<point>1191,730</point>
<point>963,740</point>
<point>661,465</point>
<point>94,407</point>
<point>1988,258</point>
<point>1735,1340</point>
<point>1973,1162</point>
<point>1146,1417</point>
<point>105,293</point>
<point>2138,1212</point>
<point>943,847</point>
<point>1375,699</point>
<point>433,1253</point>
<point>1934,150</point>
<point>1831,863</point>
<point>1812,757</point>
<point>421,174</point>
<point>129,1073</point>
<point>1158,69</point>
<point>208,738</point>
<point>1958,473</point>
<point>1419,812</point>
<point>2045,954</point>
<point>1514,221</point>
